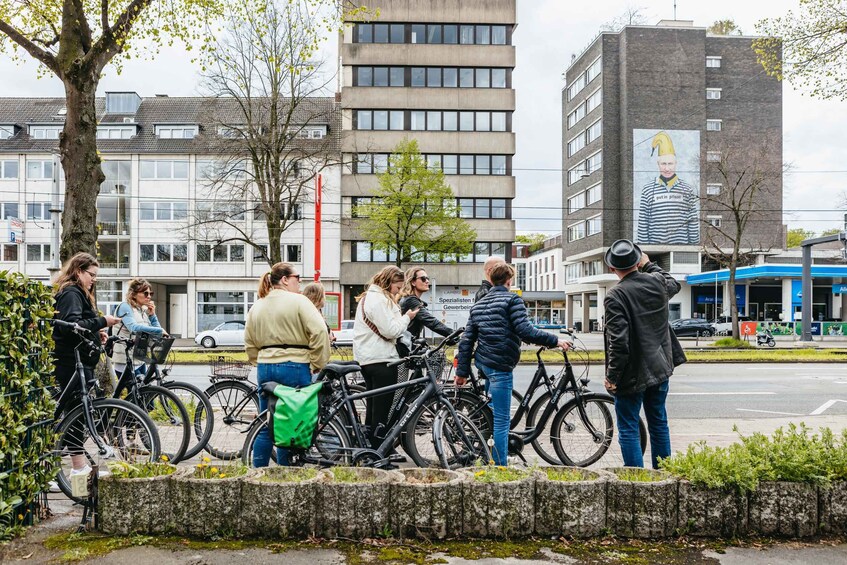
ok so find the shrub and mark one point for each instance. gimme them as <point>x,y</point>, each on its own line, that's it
<point>714,467</point>
<point>732,343</point>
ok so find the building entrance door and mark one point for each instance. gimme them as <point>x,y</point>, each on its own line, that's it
<point>753,311</point>
<point>178,315</point>
<point>772,311</point>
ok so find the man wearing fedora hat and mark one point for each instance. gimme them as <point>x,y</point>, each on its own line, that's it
<point>641,349</point>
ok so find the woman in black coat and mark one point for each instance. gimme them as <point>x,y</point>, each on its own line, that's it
<point>417,283</point>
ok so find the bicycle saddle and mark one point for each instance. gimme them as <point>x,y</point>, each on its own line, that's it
<point>338,370</point>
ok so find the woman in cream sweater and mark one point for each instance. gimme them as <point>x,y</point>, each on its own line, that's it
<point>377,326</point>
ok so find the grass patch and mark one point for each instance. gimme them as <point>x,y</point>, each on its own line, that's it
<point>205,470</point>
<point>566,475</point>
<point>731,342</point>
<point>639,475</point>
<point>288,474</point>
<point>351,475</point>
<point>124,470</point>
<point>498,474</point>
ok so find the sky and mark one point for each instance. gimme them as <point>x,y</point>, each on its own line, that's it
<point>548,33</point>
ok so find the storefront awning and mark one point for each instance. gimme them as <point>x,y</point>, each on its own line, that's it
<point>767,271</point>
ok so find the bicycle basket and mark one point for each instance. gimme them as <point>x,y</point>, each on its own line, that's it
<point>436,364</point>
<point>228,368</point>
<point>149,348</point>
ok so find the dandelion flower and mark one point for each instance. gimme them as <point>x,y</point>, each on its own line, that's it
<point>164,458</point>
<point>213,470</point>
<point>222,475</point>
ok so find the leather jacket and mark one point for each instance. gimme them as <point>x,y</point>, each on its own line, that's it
<point>424,319</point>
<point>484,288</point>
<point>641,348</point>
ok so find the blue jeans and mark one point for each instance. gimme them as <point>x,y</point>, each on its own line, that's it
<point>627,408</point>
<point>498,384</point>
<point>288,374</point>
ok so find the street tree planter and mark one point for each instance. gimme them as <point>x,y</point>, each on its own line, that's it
<point>427,504</point>
<point>129,506</point>
<point>353,502</point>
<point>570,501</point>
<point>712,512</point>
<point>641,509</point>
<point>832,504</point>
<point>208,507</point>
<point>498,509</point>
<point>279,502</point>
<point>781,508</point>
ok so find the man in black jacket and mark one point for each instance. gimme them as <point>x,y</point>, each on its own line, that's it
<point>641,349</point>
<point>496,327</point>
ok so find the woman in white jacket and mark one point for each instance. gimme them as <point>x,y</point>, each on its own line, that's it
<point>377,326</point>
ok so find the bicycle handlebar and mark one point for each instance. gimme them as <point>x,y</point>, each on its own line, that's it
<point>444,342</point>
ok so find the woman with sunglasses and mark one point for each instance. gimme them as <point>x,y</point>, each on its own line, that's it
<point>416,284</point>
<point>137,314</point>
<point>286,336</point>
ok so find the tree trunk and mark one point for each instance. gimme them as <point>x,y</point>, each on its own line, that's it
<point>81,164</point>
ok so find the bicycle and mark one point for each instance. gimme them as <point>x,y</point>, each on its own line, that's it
<point>162,405</point>
<point>341,438</point>
<point>99,429</point>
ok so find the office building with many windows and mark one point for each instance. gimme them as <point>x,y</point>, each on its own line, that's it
<point>651,115</point>
<point>444,78</point>
<point>161,158</point>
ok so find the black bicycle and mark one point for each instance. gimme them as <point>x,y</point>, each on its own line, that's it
<point>341,439</point>
<point>99,430</point>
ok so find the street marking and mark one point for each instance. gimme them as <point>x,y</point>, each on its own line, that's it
<point>767,412</point>
<point>840,382</point>
<point>719,393</point>
<point>824,407</point>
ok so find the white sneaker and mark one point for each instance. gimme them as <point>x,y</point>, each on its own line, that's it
<point>87,469</point>
<point>53,486</point>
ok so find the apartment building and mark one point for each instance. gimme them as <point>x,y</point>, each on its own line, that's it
<point>159,156</point>
<point>440,74</point>
<point>649,114</point>
<point>540,279</point>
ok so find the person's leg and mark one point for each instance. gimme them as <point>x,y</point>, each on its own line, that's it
<point>657,422</point>
<point>627,410</point>
<point>293,375</point>
<point>266,372</point>
<point>500,389</point>
<point>382,375</point>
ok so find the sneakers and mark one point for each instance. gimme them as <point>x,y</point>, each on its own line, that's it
<point>87,469</point>
<point>53,486</point>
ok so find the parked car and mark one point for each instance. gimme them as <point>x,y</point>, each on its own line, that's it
<point>692,327</point>
<point>344,336</point>
<point>227,333</point>
<point>723,325</point>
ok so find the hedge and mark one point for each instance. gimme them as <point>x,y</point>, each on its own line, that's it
<point>27,463</point>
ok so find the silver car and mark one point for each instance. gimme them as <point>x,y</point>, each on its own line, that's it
<point>344,336</point>
<point>227,333</point>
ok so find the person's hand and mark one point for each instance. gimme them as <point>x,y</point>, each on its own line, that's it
<point>644,260</point>
<point>460,381</point>
<point>151,308</point>
<point>332,338</point>
<point>610,386</point>
<point>103,337</point>
<point>412,313</point>
<point>564,344</point>
<point>111,320</point>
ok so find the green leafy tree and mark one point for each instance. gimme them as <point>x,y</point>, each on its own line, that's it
<point>831,231</point>
<point>413,213</point>
<point>724,27</point>
<point>534,240</point>
<point>75,40</point>
<point>795,237</point>
<point>808,47</point>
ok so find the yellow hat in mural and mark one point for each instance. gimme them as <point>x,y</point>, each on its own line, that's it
<point>663,141</point>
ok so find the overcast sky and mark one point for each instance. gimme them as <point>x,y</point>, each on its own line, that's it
<point>549,31</point>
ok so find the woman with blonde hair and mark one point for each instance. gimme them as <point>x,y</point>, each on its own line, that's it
<point>417,283</point>
<point>286,337</point>
<point>376,328</point>
<point>137,314</point>
<point>75,302</point>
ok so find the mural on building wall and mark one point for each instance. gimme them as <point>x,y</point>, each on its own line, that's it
<point>666,184</point>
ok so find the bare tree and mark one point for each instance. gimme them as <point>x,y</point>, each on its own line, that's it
<point>631,16</point>
<point>741,210</point>
<point>274,131</point>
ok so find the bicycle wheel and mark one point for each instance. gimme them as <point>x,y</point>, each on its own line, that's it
<point>127,432</point>
<point>575,444</point>
<point>459,442</point>
<point>235,405</point>
<point>200,414</point>
<point>542,445</point>
<point>171,419</point>
<point>417,436</point>
<point>332,443</point>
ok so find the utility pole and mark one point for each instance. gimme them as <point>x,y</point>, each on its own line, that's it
<point>55,221</point>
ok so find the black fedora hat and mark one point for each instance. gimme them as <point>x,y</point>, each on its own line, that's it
<point>622,255</point>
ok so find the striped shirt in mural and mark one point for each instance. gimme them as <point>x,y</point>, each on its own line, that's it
<point>668,213</point>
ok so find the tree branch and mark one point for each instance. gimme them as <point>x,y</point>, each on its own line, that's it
<point>107,46</point>
<point>104,15</point>
<point>44,57</point>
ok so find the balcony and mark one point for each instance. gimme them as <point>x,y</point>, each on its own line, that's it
<point>113,228</point>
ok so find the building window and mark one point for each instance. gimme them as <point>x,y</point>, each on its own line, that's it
<point>573,272</point>
<point>311,132</point>
<point>364,253</point>
<point>214,308</point>
<point>38,252</point>
<point>594,131</point>
<point>714,221</point>
<point>164,169</point>
<point>162,211</point>
<point>9,252</point>
<point>8,210</point>
<point>686,257</point>
<point>576,231</point>
<point>593,268</point>
<point>429,120</point>
<point>213,210</point>
<point>294,253</point>
<point>118,177</point>
<point>585,78</point>
<point>432,77</point>
<point>713,188</point>
<point>380,76</point>
<point>576,144</point>
<point>38,211</point>
<point>376,163</point>
<point>163,252</point>
<point>432,34</point>
<point>594,225</point>
<point>713,94</point>
<point>39,170</point>
<point>7,131</point>
<point>576,202</point>
<point>713,125</point>
<point>45,132</point>
<point>223,253</point>
<point>713,156</point>
<point>713,62</point>
<point>586,167</point>
<point>9,169</point>
<point>181,131</point>
<point>593,194</point>
<point>115,132</point>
